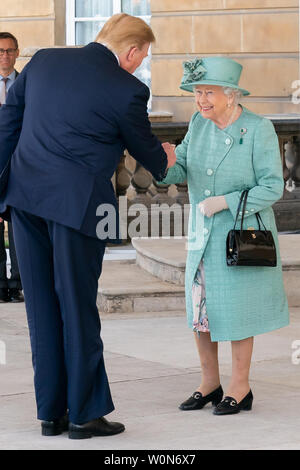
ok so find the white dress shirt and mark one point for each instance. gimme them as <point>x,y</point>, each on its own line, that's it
<point>102,43</point>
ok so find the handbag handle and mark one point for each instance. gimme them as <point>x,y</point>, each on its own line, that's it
<point>243,200</point>
<point>239,208</point>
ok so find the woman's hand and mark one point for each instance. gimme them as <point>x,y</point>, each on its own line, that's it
<point>212,205</point>
<point>170,151</point>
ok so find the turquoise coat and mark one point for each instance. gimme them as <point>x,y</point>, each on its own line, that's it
<point>241,301</point>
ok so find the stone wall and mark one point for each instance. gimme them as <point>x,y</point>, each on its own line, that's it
<point>260,34</point>
<point>35,23</point>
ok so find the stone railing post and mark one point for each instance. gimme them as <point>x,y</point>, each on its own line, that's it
<point>141,181</point>
<point>292,161</point>
<point>123,178</point>
<point>287,209</point>
<point>182,197</point>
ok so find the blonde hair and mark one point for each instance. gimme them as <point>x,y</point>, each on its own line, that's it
<point>123,31</point>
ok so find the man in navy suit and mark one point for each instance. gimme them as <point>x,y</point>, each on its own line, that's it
<point>65,125</point>
<point>10,288</point>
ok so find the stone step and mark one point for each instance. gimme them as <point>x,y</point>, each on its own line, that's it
<point>125,287</point>
<point>165,259</point>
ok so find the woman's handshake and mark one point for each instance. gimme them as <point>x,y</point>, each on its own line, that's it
<point>170,151</point>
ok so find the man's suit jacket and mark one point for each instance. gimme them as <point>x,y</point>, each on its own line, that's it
<point>66,122</point>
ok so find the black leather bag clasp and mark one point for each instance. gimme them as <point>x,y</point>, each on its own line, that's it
<point>250,247</point>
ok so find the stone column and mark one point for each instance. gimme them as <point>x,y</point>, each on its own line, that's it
<point>161,196</point>
<point>141,181</point>
<point>122,178</point>
<point>287,210</point>
<point>292,161</point>
<point>182,197</point>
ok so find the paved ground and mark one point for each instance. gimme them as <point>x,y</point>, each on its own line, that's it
<point>152,365</point>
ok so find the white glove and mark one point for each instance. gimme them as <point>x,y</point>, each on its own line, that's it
<point>212,205</point>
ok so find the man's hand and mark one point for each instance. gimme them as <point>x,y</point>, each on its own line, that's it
<point>212,205</point>
<point>1,220</point>
<point>170,151</point>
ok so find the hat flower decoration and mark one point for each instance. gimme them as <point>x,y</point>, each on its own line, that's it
<point>192,71</point>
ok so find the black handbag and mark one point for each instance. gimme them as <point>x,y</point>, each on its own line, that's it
<point>250,247</point>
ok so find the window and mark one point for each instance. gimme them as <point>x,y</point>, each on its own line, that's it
<point>85,18</point>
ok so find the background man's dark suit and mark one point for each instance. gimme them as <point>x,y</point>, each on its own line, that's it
<point>9,287</point>
<point>68,118</point>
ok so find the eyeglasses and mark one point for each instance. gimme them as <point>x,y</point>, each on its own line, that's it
<point>8,51</point>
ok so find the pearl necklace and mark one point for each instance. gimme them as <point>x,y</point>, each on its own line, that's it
<point>230,120</point>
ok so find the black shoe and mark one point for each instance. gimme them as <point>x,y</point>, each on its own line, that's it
<point>229,405</point>
<point>56,427</point>
<point>97,427</point>
<point>4,295</point>
<point>197,401</point>
<point>16,295</point>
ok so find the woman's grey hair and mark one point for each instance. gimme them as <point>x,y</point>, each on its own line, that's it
<point>235,91</point>
<point>237,94</point>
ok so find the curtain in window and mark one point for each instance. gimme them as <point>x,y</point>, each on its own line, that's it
<point>100,11</point>
<point>86,31</point>
<point>92,8</point>
<point>136,7</point>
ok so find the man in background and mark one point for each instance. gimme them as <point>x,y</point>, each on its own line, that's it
<point>10,288</point>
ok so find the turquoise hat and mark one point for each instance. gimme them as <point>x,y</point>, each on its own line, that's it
<point>220,71</point>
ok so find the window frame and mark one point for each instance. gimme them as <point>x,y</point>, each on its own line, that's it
<point>71,19</point>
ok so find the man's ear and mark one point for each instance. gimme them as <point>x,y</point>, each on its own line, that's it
<point>131,53</point>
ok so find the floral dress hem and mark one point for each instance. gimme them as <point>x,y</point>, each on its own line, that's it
<point>200,318</point>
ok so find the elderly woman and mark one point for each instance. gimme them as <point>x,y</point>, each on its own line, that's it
<point>226,150</point>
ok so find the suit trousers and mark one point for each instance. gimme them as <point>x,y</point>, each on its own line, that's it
<point>60,268</point>
<point>14,282</point>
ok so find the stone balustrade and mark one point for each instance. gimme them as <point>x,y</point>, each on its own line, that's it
<point>141,190</point>
<point>136,185</point>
